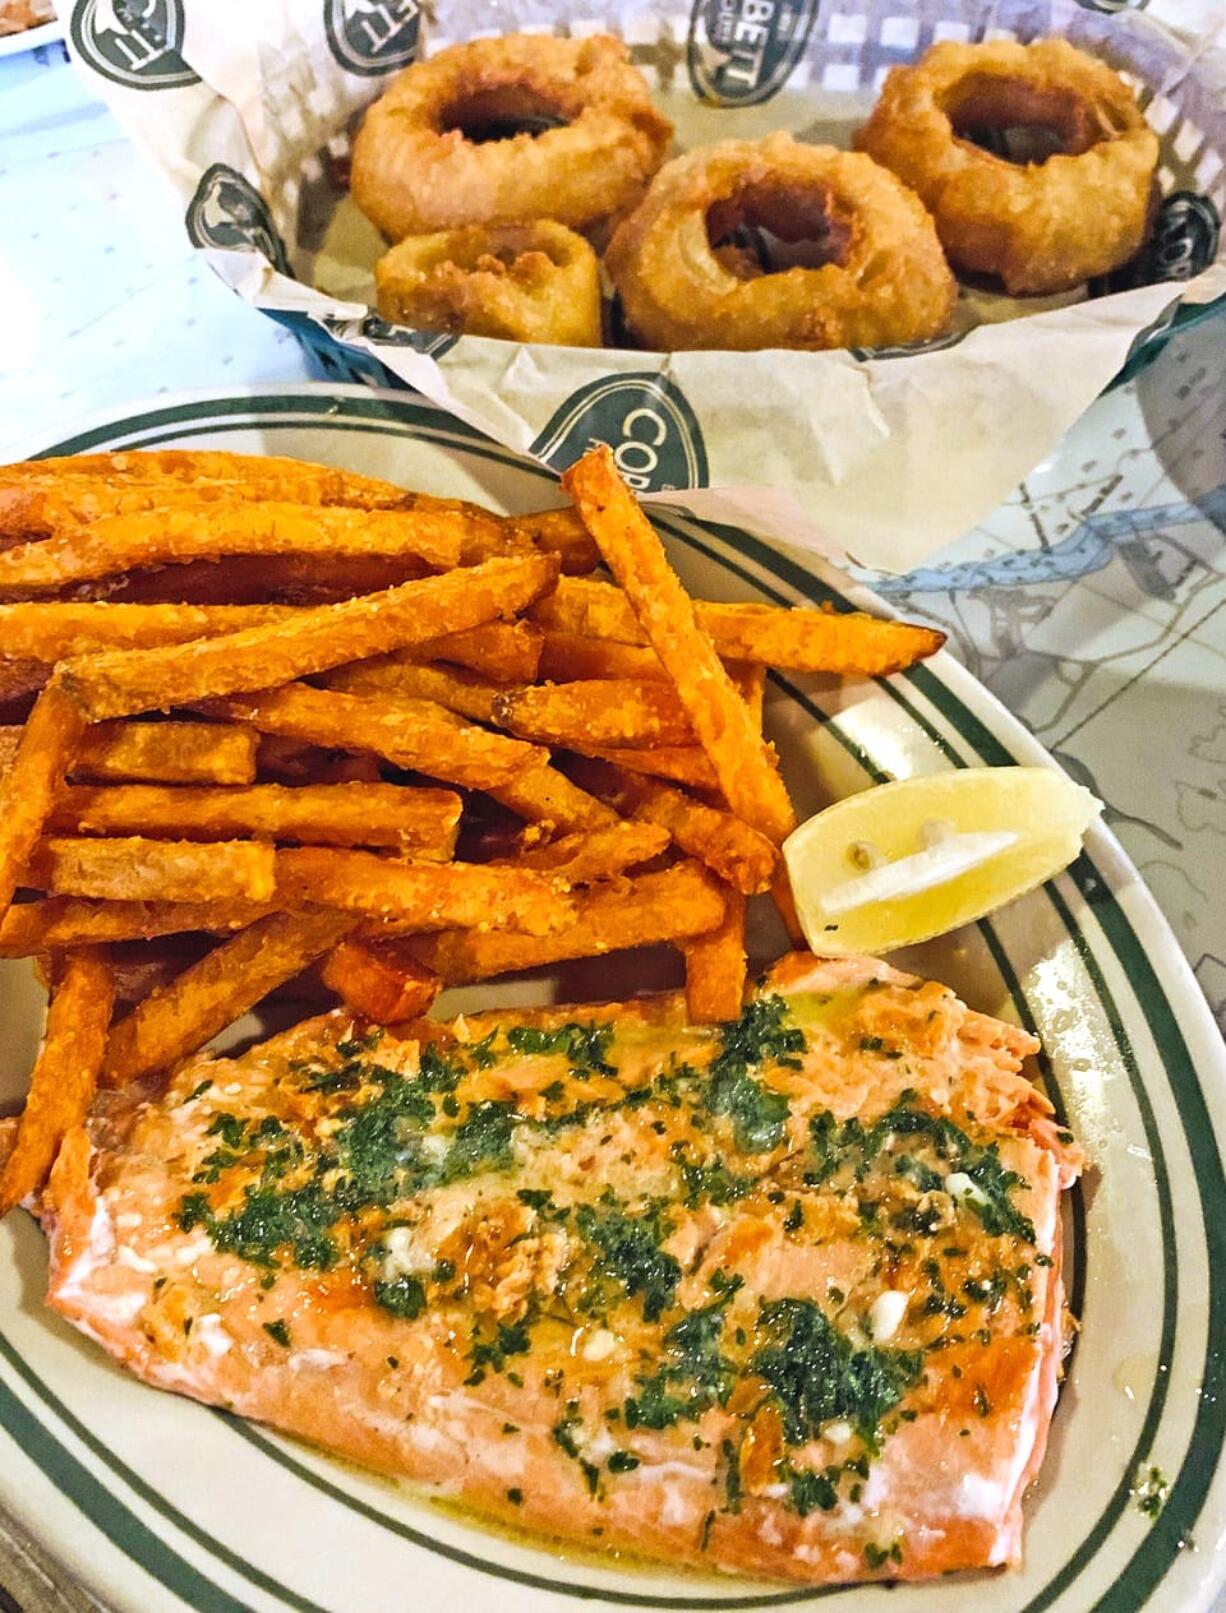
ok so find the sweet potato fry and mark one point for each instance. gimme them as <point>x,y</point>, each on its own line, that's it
<point>380,980</point>
<point>682,764</point>
<point>543,795</point>
<point>560,531</point>
<point>750,679</point>
<point>281,582</point>
<point>50,632</point>
<point>739,854</point>
<point>567,657</point>
<point>504,652</point>
<point>29,787</point>
<point>126,681</point>
<point>164,752</point>
<point>418,823</point>
<point>248,475</point>
<point>425,896</point>
<point>136,869</point>
<point>57,504</point>
<point>798,640</point>
<point>457,690</point>
<point>582,859</point>
<point>426,739</point>
<point>746,770</point>
<point>30,928</point>
<point>596,711</point>
<point>675,905</point>
<point>180,1018</point>
<point>413,734</point>
<point>715,967</point>
<point>173,537</point>
<point>65,1074</point>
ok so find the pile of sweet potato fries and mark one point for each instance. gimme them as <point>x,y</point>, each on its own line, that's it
<point>264,701</point>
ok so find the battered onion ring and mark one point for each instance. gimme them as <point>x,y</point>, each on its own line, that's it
<point>415,169</point>
<point>887,282</point>
<point>1041,227</point>
<point>535,282</point>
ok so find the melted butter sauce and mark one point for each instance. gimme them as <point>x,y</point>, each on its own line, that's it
<point>597,1556</point>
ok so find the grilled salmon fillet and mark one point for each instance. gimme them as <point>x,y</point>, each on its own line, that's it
<point>781,1297</point>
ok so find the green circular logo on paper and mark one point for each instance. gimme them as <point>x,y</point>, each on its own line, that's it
<point>228,213</point>
<point>372,36</point>
<point>135,43</point>
<point>741,52</point>
<point>1182,242</point>
<point>646,421</point>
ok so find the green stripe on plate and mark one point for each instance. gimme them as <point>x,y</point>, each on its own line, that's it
<point>121,1526</point>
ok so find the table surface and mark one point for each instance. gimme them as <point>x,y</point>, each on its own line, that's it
<point>1092,603</point>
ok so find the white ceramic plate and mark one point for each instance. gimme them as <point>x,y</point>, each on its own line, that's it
<point>31,38</point>
<point>155,1503</point>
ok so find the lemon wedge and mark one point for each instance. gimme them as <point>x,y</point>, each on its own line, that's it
<point>900,863</point>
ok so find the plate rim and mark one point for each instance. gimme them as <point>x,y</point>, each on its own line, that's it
<point>1191,1030</point>
<point>45,33</point>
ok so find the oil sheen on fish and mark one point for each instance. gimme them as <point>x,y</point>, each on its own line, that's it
<point>779,1297</point>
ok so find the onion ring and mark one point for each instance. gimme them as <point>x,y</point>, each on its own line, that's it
<point>1044,226</point>
<point>416,169</point>
<point>885,282</point>
<point>536,282</point>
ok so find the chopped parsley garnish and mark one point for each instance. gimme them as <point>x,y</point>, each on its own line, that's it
<point>564,1436</point>
<point>835,1145</point>
<point>813,1491</point>
<point>622,1462</point>
<point>629,1254</point>
<point>481,1054</point>
<point>760,1036</point>
<point>229,1128</point>
<point>482,1142</point>
<point>584,1046</point>
<point>353,1045</point>
<point>879,1556</point>
<point>817,1376</point>
<point>436,1072</point>
<point>1151,1492</point>
<point>404,1296</point>
<point>509,1338</point>
<point>695,1374</point>
<point>279,1332</point>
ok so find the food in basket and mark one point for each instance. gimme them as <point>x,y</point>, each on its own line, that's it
<point>1041,225</point>
<point>618,1271</point>
<point>534,282</point>
<point>18,15</point>
<point>428,156</point>
<point>880,278</point>
<point>745,245</point>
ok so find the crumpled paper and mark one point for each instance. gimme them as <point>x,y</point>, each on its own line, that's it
<point>248,110</point>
